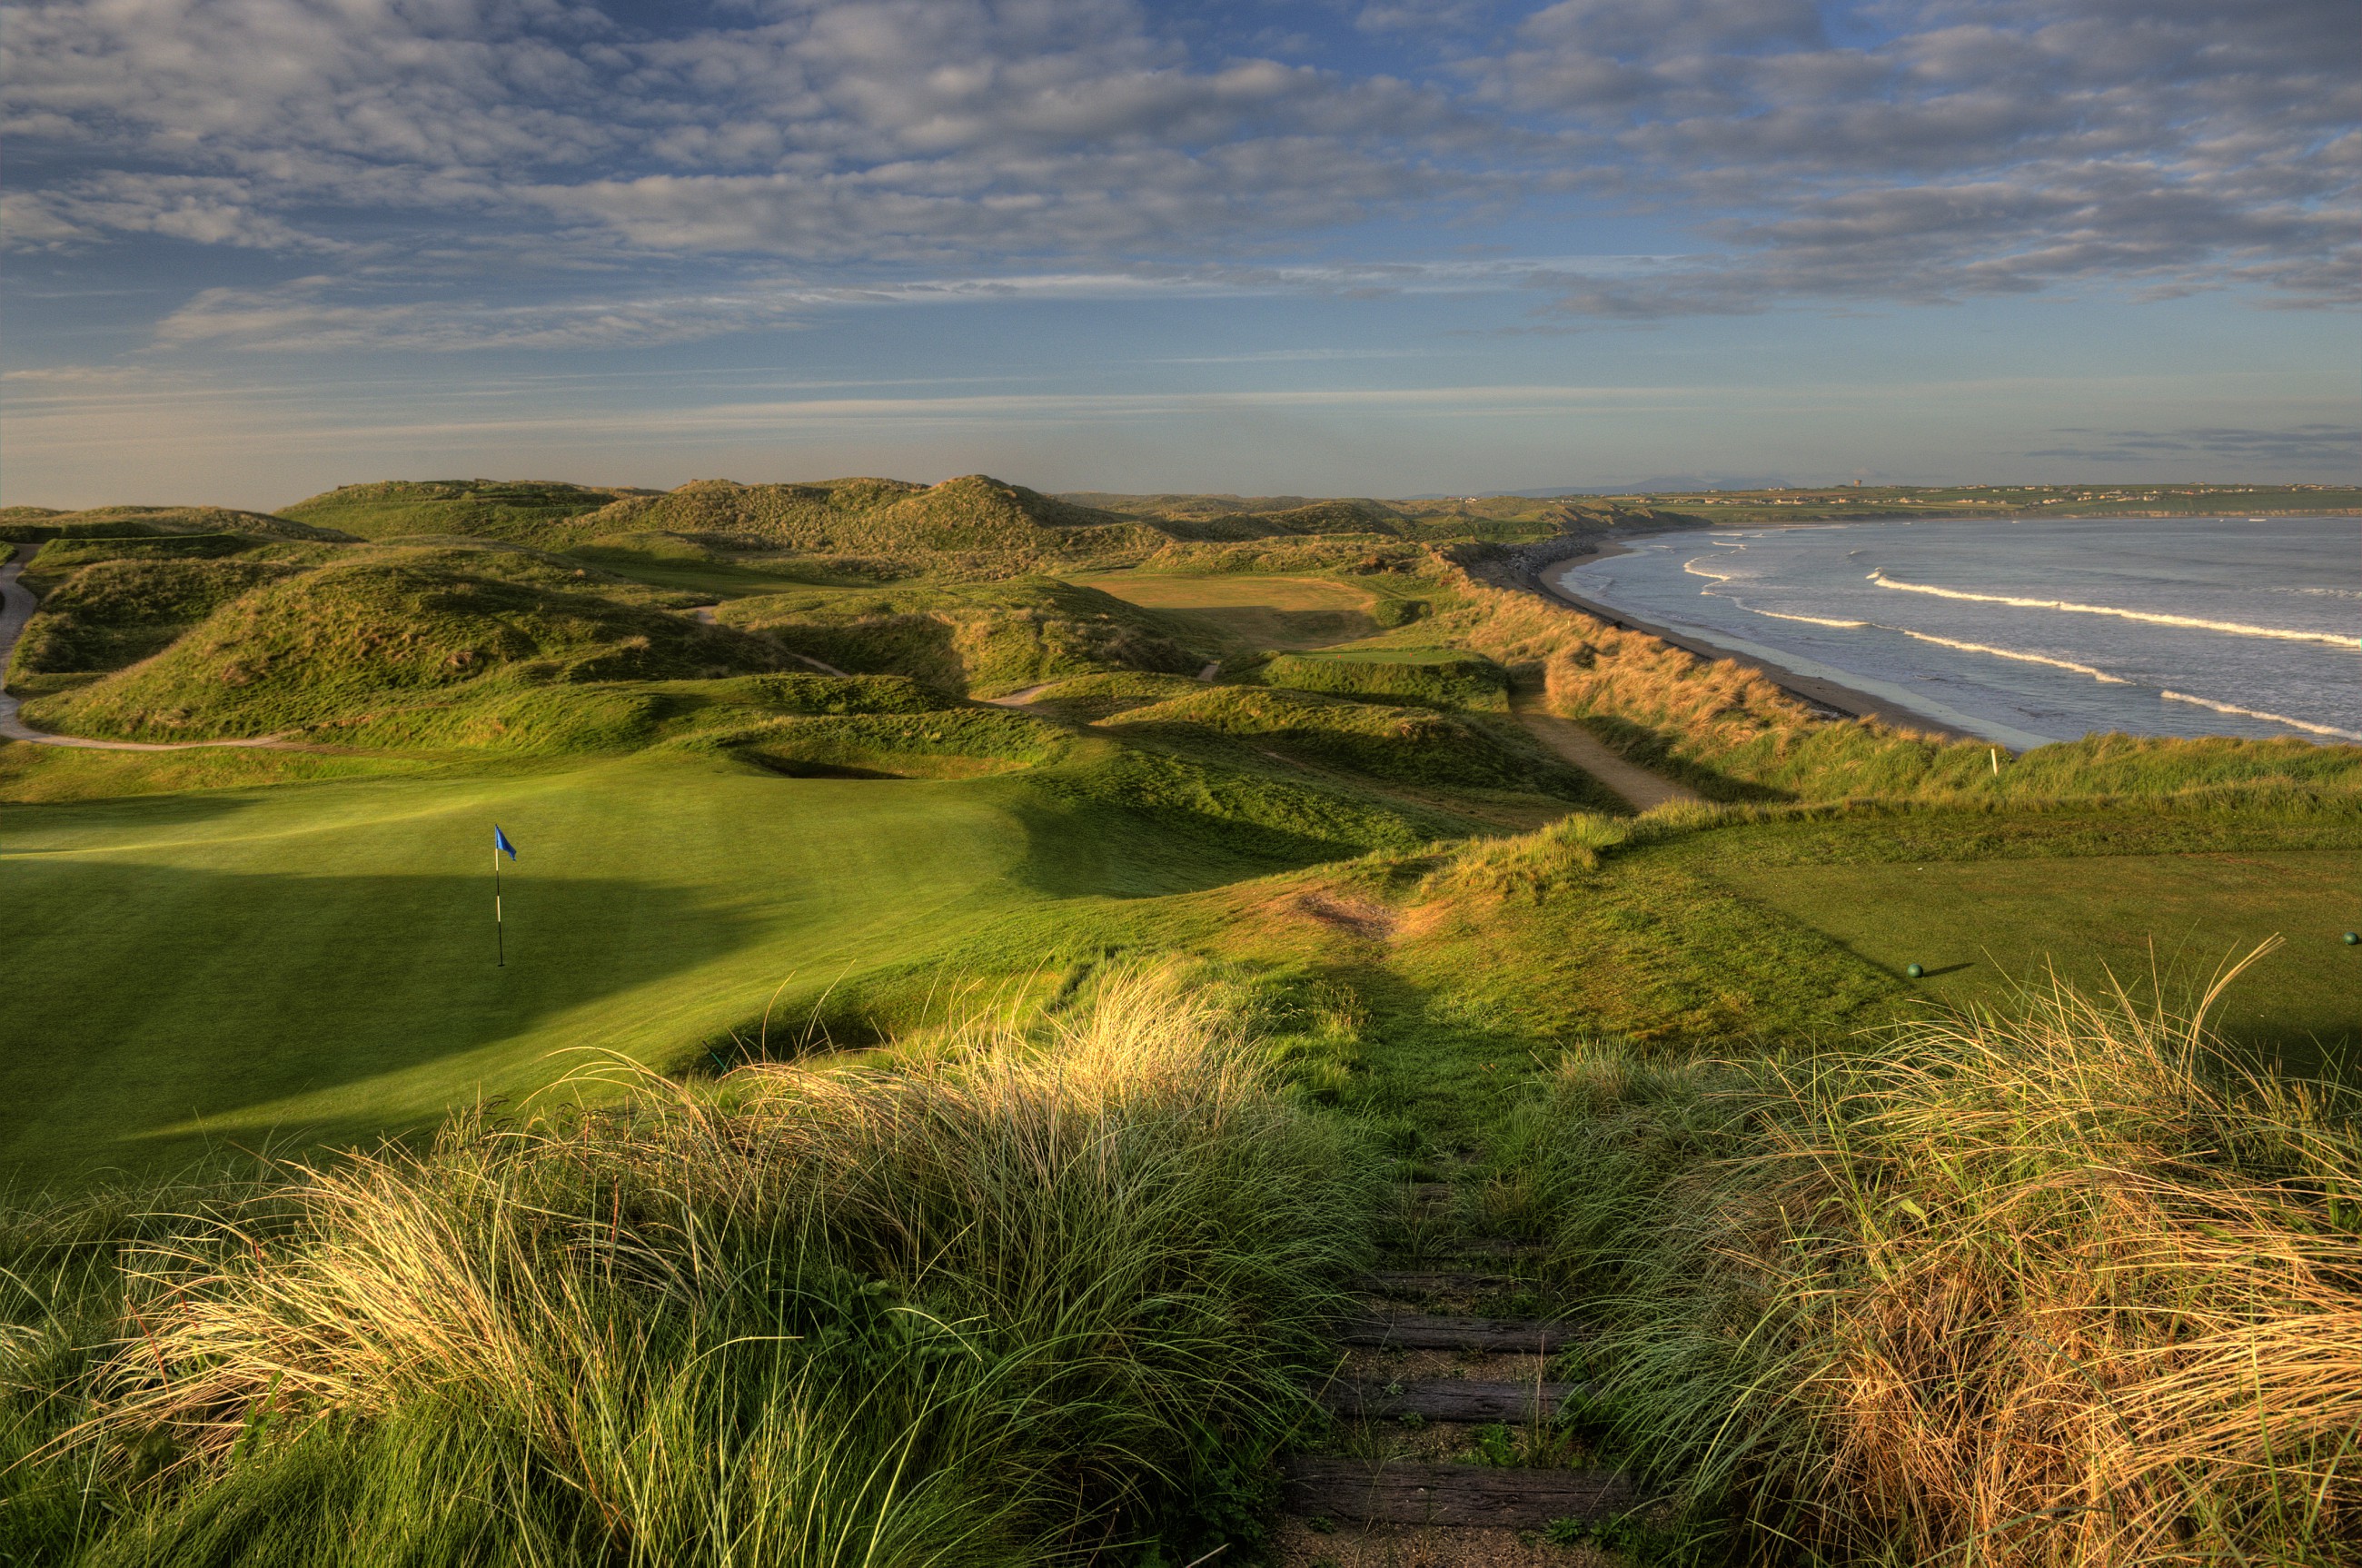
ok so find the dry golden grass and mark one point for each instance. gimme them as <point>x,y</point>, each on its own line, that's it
<point>992,1296</point>
<point>2061,1288</point>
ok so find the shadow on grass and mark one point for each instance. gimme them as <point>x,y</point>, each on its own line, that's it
<point>148,998</point>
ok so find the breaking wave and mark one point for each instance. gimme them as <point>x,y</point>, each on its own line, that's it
<point>2234,628</point>
<point>2258,714</point>
<point>2022,658</point>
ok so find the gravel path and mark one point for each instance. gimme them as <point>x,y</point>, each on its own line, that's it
<point>1588,752</point>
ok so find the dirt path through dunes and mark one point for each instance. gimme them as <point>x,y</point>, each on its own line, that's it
<point>15,609</point>
<point>1587,751</point>
<point>1020,698</point>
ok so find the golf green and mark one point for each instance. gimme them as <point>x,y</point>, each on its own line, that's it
<point>1980,926</point>
<point>315,961</point>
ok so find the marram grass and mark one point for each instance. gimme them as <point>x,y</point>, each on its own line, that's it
<point>1004,1299</point>
<point>2059,1287</point>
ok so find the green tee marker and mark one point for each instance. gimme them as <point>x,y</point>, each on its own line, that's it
<point>1914,970</point>
<point>2354,939</point>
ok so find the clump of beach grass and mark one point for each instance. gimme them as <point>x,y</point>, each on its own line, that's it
<point>1015,1297</point>
<point>2066,1285</point>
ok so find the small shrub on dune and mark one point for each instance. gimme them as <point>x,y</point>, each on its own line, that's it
<point>1008,1299</point>
<point>2063,1287</point>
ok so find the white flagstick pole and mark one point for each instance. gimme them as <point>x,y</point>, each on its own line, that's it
<point>499,936</point>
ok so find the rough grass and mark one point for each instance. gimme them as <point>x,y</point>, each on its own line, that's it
<point>1443,678</point>
<point>517,510</point>
<point>353,645</point>
<point>972,527</point>
<point>980,639</point>
<point>1008,1297</point>
<point>1411,744</point>
<point>114,613</point>
<point>2059,1285</point>
<point>956,743</point>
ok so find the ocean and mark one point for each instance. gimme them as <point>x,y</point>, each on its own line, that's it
<point>2033,629</point>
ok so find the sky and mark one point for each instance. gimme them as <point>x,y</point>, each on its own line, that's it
<point>255,248</point>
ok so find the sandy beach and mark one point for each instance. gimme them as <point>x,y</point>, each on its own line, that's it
<point>1833,698</point>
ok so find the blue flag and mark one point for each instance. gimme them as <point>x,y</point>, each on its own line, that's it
<point>500,843</point>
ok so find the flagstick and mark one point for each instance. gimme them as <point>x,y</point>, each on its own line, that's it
<point>499,936</point>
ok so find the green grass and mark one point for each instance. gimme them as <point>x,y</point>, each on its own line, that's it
<point>350,642</point>
<point>1976,927</point>
<point>971,638</point>
<point>1250,613</point>
<point>314,961</point>
<point>1442,677</point>
<point>520,510</point>
<point>112,612</point>
<point>1029,1297</point>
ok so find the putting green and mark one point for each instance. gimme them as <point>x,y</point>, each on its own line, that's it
<point>315,962</point>
<point>1980,925</point>
<point>1253,611</point>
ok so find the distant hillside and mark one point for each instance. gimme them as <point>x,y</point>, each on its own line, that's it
<point>493,509</point>
<point>35,525</point>
<point>974,524</point>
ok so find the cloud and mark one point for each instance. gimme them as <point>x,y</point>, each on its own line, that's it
<point>325,314</point>
<point>1912,152</point>
<point>2297,444</point>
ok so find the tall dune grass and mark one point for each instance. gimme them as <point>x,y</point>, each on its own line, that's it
<point>2064,1286</point>
<point>1009,1299</point>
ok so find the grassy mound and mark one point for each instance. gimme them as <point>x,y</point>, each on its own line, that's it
<point>1443,678</point>
<point>117,611</point>
<point>2067,1283</point>
<point>1415,746</point>
<point>956,743</point>
<point>1090,698</point>
<point>148,522</point>
<point>347,641</point>
<point>516,510</point>
<point>984,638</point>
<point>1012,1299</point>
<point>975,526</point>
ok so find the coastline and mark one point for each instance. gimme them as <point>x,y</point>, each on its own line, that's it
<point>1831,699</point>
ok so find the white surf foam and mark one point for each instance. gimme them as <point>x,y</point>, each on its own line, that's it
<point>1808,620</point>
<point>2020,657</point>
<point>2260,713</point>
<point>1692,568</point>
<point>2234,628</point>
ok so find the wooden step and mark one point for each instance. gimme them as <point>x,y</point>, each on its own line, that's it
<point>1492,1247</point>
<point>1448,1399</point>
<point>1416,1330</point>
<point>1415,1282</point>
<point>1404,1493</point>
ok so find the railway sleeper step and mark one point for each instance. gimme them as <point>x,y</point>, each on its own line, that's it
<point>1449,1399</point>
<point>1417,1330</point>
<point>1427,1282</point>
<point>1467,1495</point>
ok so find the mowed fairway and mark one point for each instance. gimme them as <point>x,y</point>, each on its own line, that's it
<point>1276,613</point>
<point>1976,926</point>
<point>315,961</point>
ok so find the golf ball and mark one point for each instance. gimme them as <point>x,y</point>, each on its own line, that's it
<point>1914,970</point>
